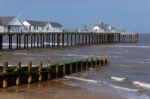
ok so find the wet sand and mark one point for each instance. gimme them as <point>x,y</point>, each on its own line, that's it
<point>51,90</point>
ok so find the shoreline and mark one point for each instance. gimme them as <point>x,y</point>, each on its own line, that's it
<point>52,90</point>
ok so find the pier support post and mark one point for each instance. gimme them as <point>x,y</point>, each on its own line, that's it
<point>43,37</point>
<point>63,39</point>
<point>75,41</point>
<point>82,39</point>
<point>24,41</point>
<point>67,39</point>
<point>17,41</point>
<point>31,40</point>
<point>10,41</point>
<point>54,39</point>
<point>27,39</point>
<point>79,39</point>
<point>71,40</point>
<point>1,42</point>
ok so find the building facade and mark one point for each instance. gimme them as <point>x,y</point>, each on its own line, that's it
<point>41,26</point>
<point>10,24</point>
<point>103,28</point>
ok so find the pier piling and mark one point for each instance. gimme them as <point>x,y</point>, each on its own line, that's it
<point>1,42</point>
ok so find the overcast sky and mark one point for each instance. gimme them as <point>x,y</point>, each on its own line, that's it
<point>133,15</point>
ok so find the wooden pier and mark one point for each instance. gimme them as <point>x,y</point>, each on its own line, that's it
<point>28,40</point>
<point>18,75</point>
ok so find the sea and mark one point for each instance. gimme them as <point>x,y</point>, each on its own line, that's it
<point>127,75</point>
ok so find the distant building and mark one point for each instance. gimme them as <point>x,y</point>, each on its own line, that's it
<point>56,27</point>
<point>103,28</point>
<point>10,24</point>
<point>41,26</point>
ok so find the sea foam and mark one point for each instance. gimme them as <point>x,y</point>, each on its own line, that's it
<point>82,79</point>
<point>118,79</point>
<point>142,84</point>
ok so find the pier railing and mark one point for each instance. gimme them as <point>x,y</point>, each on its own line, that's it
<point>18,75</point>
<point>26,40</point>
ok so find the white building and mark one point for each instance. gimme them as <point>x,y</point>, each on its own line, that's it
<point>103,28</point>
<point>41,26</point>
<point>10,24</point>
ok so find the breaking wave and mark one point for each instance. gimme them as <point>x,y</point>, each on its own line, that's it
<point>142,84</point>
<point>82,79</point>
<point>118,79</point>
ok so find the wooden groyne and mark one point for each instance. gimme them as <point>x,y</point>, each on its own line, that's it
<point>17,75</point>
<point>28,40</point>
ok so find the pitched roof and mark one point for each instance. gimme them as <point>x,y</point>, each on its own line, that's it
<point>105,26</point>
<point>4,20</point>
<point>55,24</point>
<point>37,23</point>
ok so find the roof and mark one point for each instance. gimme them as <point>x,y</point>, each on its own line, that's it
<point>105,26</point>
<point>37,23</point>
<point>5,20</point>
<point>55,24</point>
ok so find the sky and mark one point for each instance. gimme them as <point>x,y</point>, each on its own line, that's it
<point>131,15</point>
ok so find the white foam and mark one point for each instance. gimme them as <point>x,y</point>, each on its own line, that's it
<point>74,85</point>
<point>129,46</point>
<point>124,88</point>
<point>82,79</point>
<point>142,84</point>
<point>119,79</point>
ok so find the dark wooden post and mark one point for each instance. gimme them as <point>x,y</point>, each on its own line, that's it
<point>18,66</point>
<point>89,38</point>
<point>75,37</point>
<point>40,70</point>
<point>67,39</point>
<point>63,39</point>
<point>92,39</point>
<point>31,40</point>
<point>54,39</point>
<point>43,40</point>
<point>71,39</point>
<point>17,40</point>
<point>1,41</point>
<point>86,41</point>
<point>49,40</point>
<point>79,39</point>
<point>5,82</point>
<point>82,39</point>
<point>34,39</point>
<point>27,40</point>
<point>10,41</point>
<point>40,40</point>
<point>58,39</point>
<point>24,41</point>
<point>29,71</point>
<point>37,41</point>
<point>5,66</point>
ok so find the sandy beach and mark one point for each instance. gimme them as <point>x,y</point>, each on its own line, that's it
<point>51,90</point>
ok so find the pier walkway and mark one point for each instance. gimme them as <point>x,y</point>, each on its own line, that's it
<point>26,40</point>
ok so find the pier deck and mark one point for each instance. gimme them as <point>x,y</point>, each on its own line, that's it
<point>26,40</point>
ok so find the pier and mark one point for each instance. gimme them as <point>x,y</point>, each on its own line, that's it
<point>28,40</point>
<point>18,75</point>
